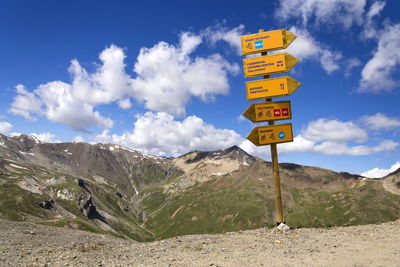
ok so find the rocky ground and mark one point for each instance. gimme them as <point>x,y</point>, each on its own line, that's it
<point>28,244</point>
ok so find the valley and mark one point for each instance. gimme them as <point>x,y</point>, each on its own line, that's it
<point>108,189</point>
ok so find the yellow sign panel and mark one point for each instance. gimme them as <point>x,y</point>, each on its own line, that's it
<point>268,88</point>
<point>272,134</point>
<point>266,41</point>
<point>269,111</point>
<point>271,64</point>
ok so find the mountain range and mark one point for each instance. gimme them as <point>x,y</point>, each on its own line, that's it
<point>107,188</point>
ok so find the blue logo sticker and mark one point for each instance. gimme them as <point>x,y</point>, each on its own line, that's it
<point>258,44</point>
<point>281,135</point>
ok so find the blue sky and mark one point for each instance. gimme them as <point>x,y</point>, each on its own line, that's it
<point>166,77</point>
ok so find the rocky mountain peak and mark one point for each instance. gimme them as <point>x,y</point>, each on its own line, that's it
<point>22,142</point>
<point>396,172</point>
<point>233,153</point>
<point>27,138</point>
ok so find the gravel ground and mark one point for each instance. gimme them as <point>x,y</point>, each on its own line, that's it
<point>28,244</point>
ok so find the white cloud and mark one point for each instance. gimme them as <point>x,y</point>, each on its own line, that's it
<point>377,73</point>
<point>370,30</point>
<point>342,12</point>
<point>160,134</point>
<point>107,84</point>
<point>307,48</point>
<point>351,63</point>
<point>380,121</point>
<point>78,139</point>
<point>327,137</point>
<point>5,127</point>
<point>334,130</point>
<point>380,173</point>
<point>125,103</point>
<point>337,148</point>
<point>25,104</point>
<point>299,144</point>
<point>168,76</point>
<point>222,33</point>
<point>62,107</point>
<point>260,151</point>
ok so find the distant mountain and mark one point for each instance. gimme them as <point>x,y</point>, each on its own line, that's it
<point>107,188</point>
<point>391,182</point>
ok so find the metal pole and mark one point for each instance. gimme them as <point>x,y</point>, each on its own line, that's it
<point>275,168</point>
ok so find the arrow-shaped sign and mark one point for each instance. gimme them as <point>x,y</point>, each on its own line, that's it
<point>271,111</point>
<point>268,88</point>
<point>271,64</point>
<point>266,41</point>
<point>272,134</point>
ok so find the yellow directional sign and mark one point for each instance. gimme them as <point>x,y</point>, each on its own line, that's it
<point>266,41</point>
<point>272,134</point>
<point>270,64</point>
<point>268,88</point>
<point>270,111</point>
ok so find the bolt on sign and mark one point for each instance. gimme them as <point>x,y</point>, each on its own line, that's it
<point>266,41</point>
<point>272,134</point>
<point>265,65</point>
<point>270,111</point>
<point>267,88</point>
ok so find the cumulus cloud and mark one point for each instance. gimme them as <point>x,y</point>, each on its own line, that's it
<point>380,121</point>
<point>376,75</point>
<point>334,130</point>
<point>25,104</point>
<point>167,76</point>
<point>337,148</point>
<point>125,103</point>
<point>342,12</point>
<point>78,139</point>
<point>5,127</point>
<point>307,48</point>
<point>222,33</point>
<point>107,84</point>
<point>327,137</point>
<point>380,173</point>
<point>160,134</point>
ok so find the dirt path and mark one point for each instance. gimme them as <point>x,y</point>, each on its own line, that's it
<point>27,244</point>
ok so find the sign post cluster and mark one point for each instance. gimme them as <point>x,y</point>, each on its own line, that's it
<point>267,88</point>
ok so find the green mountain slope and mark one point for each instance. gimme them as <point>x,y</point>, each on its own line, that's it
<point>105,188</point>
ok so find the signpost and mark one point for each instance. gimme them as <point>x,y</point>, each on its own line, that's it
<point>271,111</point>
<point>266,41</point>
<point>267,88</point>
<point>272,134</point>
<point>265,65</point>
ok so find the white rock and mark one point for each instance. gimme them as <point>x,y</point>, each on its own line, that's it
<point>283,227</point>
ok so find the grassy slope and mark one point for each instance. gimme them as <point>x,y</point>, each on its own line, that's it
<point>244,201</point>
<point>21,205</point>
<point>369,203</point>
